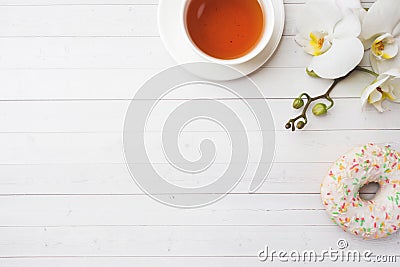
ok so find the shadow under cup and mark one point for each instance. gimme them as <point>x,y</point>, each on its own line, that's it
<point>228,31</point>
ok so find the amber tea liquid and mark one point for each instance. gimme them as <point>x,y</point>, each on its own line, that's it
<point>225,29</point>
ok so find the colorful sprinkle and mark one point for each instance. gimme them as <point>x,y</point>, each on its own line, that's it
<point>372,219</point>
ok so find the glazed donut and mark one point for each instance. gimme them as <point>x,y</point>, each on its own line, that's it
<point>370,219</point>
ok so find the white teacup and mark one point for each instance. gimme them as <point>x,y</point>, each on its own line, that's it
<point>269,21</point>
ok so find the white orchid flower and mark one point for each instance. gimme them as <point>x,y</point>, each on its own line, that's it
<point>386,86</point>
<point>381,29</point>
<point>328,30</point>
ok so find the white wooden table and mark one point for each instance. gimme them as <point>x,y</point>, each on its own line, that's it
<point>68,69</point>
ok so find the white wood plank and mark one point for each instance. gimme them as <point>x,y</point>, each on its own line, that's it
<point>80,2</point>
<point>115,179</point>
<point>100,20</point>
<point>108,116</point>
<point>67,148</point>
<point>61,20</point>
<point>303,1</point>
<point>158,262</point>
<point>58,84</point>
<point>83,53</point>
<point>119,52</point>
<point>178,241</point>
<point>237,209</point>
<point>74,147</point>
<point>111,2</point>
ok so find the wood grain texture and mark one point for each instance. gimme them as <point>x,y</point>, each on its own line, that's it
<point>156,262</point>
<point>109,2</point>
<point>108,116</point>
<point>122,84</point>
<point>45,148</point>
<point>114,178</point>
<point>69,69</point>
<point>123,20</point>
<point>175,240</point>
<point>237,209</point>
<point>116,53</point>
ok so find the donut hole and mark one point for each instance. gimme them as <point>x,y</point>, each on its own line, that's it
<point>368,191</point>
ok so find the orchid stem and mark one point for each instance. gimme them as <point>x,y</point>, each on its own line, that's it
<point>367,71</point>
<point>292,123</point>
<point>302,118</point>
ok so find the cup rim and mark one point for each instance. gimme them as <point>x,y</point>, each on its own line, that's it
<point>269,21</point>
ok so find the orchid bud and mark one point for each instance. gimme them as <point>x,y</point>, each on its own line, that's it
<point>300,125</point>
<point>319,109</point>
<point>298,103</point>
<point>312,73</point>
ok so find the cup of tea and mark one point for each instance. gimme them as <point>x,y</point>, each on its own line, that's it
<point>228,32</point>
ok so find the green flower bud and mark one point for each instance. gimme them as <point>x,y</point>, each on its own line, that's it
<point>288,125</point>
<point>300,125</point>
<point>320,109</point>
<point>311,73</point>
<point>298,103</point>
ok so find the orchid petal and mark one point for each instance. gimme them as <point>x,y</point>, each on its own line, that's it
<point>309,49</point>
<point>390,51</point>
<point>397,94</point>
<point>386,86</point>
<point>339,60</point>
<point>382,17</point>
<point>378,106</point>
<point>301,41</point>
<point>316,44</point>
<point>387,90</point>
<point>351,7</point>
<point>361,14</point>
<point>371,88</point>
<point>325,46</point>
<point>367,43</point>
<point>318,15</point>
<point>396,91</point>
<point>396,30</point>
<point>376,99</point>
<point>381,66</point>
<point>385,47</point>
<point>395,72</point>
<point>349,26</point>
<point>375,96</point>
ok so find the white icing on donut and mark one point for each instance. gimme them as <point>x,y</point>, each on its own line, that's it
<point>371,219</point>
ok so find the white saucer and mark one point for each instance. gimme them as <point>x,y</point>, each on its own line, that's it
<point>172,34</point>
